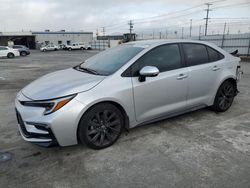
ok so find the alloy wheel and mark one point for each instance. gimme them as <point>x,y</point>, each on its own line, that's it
<point>104,128</point>
<point>226,96</point>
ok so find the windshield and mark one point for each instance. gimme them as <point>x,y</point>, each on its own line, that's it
<point>111,60</point>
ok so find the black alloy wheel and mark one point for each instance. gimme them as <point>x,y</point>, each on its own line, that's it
<point>224,97</point>
<point>101,126</point>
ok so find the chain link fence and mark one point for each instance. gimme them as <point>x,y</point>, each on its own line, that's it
<point>100,44</point>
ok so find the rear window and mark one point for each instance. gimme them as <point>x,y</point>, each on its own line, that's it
<point>195,54</point>
<point>214,55</point>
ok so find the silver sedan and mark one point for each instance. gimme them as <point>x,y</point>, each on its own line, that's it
<point>123,87</point>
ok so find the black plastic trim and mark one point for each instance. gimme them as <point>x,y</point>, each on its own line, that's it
<point>40,126</point>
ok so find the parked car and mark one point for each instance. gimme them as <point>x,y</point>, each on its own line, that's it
<point>6,51</point>
<point>129,85</point>
<point>49,47</point>
<point>61,46</point>
<point>88,47</point>
<point>23,50</point>
<point>75,46</point>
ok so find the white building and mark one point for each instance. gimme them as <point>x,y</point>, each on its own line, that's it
<point>62,37</point>
<point>36,39</point>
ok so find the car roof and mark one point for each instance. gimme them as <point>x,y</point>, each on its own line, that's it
<point>154,43</point>
<point>150,43</point>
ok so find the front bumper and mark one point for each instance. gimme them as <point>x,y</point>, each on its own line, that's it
<point>59,127</point>
<point>41,135</point>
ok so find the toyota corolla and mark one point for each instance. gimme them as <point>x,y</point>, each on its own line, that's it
<point>123,87</point>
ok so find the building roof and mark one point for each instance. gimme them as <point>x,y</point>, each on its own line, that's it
<point>59,32</point>
<point>30,33</point>
<point>16,33</point>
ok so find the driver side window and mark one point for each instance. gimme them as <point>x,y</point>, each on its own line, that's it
<point>165,58</point>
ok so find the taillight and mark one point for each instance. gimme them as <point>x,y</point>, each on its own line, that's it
<point>239,72</point>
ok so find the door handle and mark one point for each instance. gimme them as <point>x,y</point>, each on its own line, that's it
<point>215,68</point>
<point>182,76</point>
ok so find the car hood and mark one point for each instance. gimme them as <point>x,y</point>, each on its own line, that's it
<point>61,83</point>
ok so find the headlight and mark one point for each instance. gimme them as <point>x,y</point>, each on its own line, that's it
<point>49,105</point>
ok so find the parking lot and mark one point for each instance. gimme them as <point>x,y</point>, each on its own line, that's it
<point>198,149</point>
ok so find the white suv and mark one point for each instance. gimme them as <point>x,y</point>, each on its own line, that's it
<point>6,51</point>
<point>75,46</point>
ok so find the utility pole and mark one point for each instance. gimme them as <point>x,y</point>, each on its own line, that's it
<point>207,18</point>
<point>160,34</point>
<point>190,33</point>
<point>200,32</point>
<point>166,33</point>
<point>103,31</point>
<point>223,36</point>
<point>131,25</point>
<point>182,32</point>
<point>97,33</point>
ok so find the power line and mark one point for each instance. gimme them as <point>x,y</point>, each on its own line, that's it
<point>175,16</point>
<point>230,5</point>
<point>164,15</point>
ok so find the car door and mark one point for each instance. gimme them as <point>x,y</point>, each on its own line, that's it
<point>1,51</point>
<point>48,47</point>
<point>52,47</point>
<point>204,71</point>
<point>165,93</point>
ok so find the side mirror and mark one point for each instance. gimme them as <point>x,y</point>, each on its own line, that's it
<point>148,71</point>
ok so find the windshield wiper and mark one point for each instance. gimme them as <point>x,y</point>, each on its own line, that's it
<point>87,70</point>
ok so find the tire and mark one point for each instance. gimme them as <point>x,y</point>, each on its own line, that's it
<point>101,126</point>
<point>44,50</point>
<point>224,97</point>
<point>10,55</point>
<point>23,53</point>
<point>70,49</point>
<point>81,48</point>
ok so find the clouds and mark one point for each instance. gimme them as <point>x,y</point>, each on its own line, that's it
<point>90,14</point>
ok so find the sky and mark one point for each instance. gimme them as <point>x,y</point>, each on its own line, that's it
<point>148,16</point>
